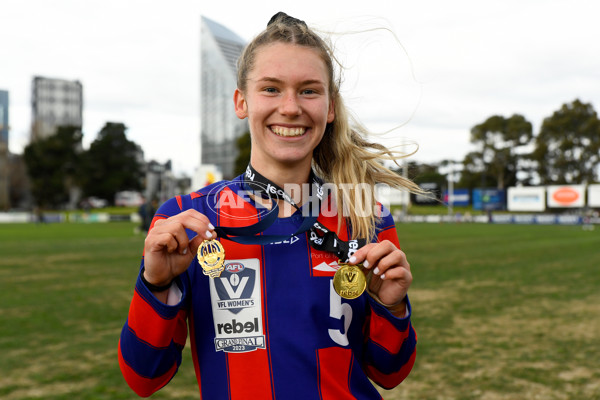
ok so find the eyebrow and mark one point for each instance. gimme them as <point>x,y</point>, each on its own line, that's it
<point>277,80</point>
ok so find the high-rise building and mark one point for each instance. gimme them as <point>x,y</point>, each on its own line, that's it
<point>4,199</point>
<point>219,126</point>
<point>3,116</point>
<point>55,102</point>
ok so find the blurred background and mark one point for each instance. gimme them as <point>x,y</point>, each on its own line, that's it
<point>113,103</point>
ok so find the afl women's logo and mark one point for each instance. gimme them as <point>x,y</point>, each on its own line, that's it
<point>234,267</point>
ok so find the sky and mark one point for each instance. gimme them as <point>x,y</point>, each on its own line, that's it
<point>425,72</point>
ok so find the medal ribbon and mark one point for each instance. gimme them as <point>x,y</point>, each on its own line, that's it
<point>320,238</point>
<point>250,234</point>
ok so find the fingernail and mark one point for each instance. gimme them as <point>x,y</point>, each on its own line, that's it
<point>382,276</point>
<point>366,264</point>
<point>208,234</point>
<point>211,227</point>
<point>352,260</point>
<point>184,251</point>
<point>376,271</point>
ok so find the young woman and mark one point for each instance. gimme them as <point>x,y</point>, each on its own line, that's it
<point>262,269</point>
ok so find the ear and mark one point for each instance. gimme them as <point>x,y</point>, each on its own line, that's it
<point>241,106</point>
<point>331,111</point>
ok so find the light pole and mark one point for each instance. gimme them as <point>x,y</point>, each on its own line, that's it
<point>450,190</point>
<point>450,178</point>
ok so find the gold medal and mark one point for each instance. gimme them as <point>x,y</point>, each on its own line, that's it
<point>349,281</point>
<point>211,257</point>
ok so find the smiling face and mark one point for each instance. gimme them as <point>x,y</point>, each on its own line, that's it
<point>287,103</point>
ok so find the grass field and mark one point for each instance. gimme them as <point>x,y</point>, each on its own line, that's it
<point>501,312</point>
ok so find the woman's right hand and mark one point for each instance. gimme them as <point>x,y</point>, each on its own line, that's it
<point>167,250</point>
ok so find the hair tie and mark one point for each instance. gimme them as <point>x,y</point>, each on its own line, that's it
<point>285,19</point>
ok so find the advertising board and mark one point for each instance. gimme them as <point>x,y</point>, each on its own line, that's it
<point>531,198</point>
<point>459,197</point>
<point>594,195</point>
<point>434,197</point>
<point>566,196</point>
<point>489,199</point>
<point>389,196</point>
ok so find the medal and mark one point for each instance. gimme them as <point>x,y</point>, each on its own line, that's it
<point>211,257</point>
<point>349,281</point>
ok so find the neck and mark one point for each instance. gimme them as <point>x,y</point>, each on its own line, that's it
<point>289,178</point>
<point>284,174</point>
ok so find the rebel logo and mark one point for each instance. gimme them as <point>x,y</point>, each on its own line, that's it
<point>236,327</point>
<point>352,247</point>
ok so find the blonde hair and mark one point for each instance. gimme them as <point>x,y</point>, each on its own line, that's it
<point>343,157</point>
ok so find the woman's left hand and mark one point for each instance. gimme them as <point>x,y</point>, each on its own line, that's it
<point>391,272</point>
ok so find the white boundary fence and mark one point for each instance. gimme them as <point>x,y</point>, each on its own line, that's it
<point>54,217</point>
<point>496,218</point>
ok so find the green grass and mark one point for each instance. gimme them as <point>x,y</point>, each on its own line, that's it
<point>501,312</point>
<point>504,312</point>
<point>439,209</point>
<point>64,294</point>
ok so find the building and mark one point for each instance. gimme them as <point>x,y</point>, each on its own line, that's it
<point>4,182</point>
<point>160,182</point>
<point>220,49</point>
<point>55,102</point>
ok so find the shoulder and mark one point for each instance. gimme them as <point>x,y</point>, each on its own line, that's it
<point>215,188</point>
<point>201,198</point>
<point>204,195</point>
<point>385,220</point>
<point>386,226</point>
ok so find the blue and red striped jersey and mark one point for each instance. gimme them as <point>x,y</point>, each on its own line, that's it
<point>271,325</point>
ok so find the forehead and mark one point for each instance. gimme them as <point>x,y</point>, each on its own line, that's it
<point>286,61</point>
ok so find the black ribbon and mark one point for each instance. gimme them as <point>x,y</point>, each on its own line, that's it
<point>265,188</point>
<point>320,238</point>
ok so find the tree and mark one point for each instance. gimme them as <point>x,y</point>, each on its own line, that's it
<point>52,166</point>
<point>499,139</point>
<point>243,144</point>
<point>426,176</point>
<point>112,164</point>
<point>19,187</point>
<point>426,173</point>
<point>474,174</point>
<point>567,148</point>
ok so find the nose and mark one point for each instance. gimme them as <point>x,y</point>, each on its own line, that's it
<point>289,105</point>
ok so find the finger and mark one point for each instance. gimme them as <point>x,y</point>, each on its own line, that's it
<point>182,240</point>
<point>396,258</point>
<point>195,242</point>
<point>374,283</point>
<point>178,233</point>
<point>191,220</point>
<point>389,261</point>
<point>399,273</point>
<point>159,221</point>
<point>377,252</point>
<point>161,241</point>
<point>360,254</point>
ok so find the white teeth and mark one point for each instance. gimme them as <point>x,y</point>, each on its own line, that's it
<point>288,132</point>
